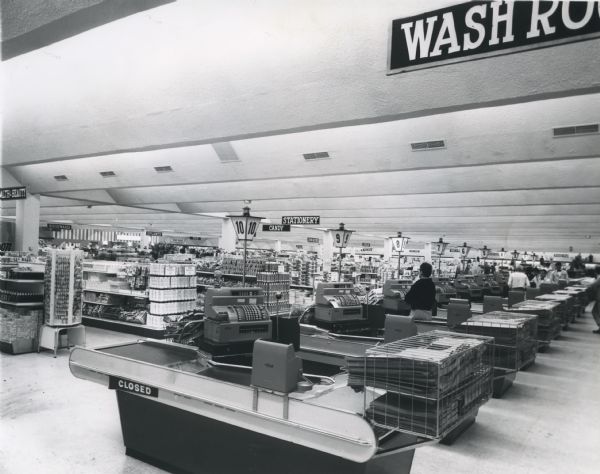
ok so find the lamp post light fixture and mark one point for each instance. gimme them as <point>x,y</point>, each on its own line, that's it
<point>398,244</point>
<point>485,252</point>
<point>464,251</point>
<point>245,227</point>
<point>341,236</point>
<point>515,254</point>
<point>438,248</point>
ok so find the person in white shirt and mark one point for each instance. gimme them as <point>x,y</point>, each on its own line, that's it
<point>518,279</point>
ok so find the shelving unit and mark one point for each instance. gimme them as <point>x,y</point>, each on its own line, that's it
<point>119,280</point>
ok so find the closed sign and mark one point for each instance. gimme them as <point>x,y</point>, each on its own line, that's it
<point>117,383</point>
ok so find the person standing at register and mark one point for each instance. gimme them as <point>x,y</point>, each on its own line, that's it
<point>421,296</point>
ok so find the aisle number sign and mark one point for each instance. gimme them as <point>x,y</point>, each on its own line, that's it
<point>478,29</point>
<point>341,238</point>
<point>399,243</point>
<point>8,194</point>
<point>245,227</point>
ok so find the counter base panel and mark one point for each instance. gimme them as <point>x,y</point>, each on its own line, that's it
<point>183,442</point>
<point>128,328</point>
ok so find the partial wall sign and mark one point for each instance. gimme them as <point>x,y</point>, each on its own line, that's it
<point>153,233</point>
<point>301,220</point>
<point>8,194</point>
<point>479,29</point>
<point>275,228</point>
<point>59,227</point>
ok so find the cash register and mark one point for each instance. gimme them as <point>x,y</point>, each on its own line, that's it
<point>394,292</point>
<point>234,319</point>
<point>336,302</point>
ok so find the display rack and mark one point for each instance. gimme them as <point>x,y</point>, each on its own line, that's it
<point>549,319</point>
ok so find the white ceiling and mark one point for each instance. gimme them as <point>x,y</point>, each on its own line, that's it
<point>278,80</point>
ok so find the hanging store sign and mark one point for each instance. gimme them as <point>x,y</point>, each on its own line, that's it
<point>194,238</point>
<point>313,240</point>
<point>276,228</point>
<point>9,194</point>
<point>366,244</point>
<point>298,246</point>
<point>561,255</point>
<point>478,29</point>
<point>129,238</point>
<point>153,233</point>
<point>301,220</point>
<point>59,226</point>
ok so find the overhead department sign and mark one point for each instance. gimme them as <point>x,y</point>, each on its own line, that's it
<point>479,29</point>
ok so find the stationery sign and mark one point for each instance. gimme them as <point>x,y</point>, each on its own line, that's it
<point>275,228</point>
<point>59,227</point>
<point>8,194</point>
<point>478,29</point>
<point>301,220</point>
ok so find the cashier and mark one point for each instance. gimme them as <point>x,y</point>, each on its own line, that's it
<point>421,296</point>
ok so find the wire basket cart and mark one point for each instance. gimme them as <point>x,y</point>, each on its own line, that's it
<point>549,319</point>
<point>515,343</point>
<point>425,385</point>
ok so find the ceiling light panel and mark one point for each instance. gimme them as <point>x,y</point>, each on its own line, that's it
<point>107,174</point>
<point>163,169</point>
<point>587,129</point>
<point>429,145</point>
<point>319,155</point>
<point>61,177</point>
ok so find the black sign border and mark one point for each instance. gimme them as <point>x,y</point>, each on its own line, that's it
<point>475,57</point>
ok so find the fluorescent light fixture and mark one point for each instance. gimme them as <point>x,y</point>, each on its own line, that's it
<point>163,169</point>
<point>107,174</point>
<point>61,177</point>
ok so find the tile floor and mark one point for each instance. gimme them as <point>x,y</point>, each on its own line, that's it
<point>549,421</point>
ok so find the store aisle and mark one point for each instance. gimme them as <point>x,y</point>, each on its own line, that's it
<point>51,422</point>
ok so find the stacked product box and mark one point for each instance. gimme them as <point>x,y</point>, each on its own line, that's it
<point>234,265</point>
<point>273,283</point>
<point>19,328</point>
<point>171,291</point>
<point>424,385</point>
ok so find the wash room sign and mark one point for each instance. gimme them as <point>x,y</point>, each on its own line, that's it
<point>480,29</point>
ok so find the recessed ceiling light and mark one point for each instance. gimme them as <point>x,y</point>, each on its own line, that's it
<point>571,130</point>
<point>319,155</point>
<point>163,169</point>
<point>429,145</point>
<point>61,177</point>
<point>107,174</point>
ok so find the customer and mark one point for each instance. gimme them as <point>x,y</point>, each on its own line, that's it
<point>595,288</point>
<point>421,296</point>
<point>518,279</point>
<point>557,274</point>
